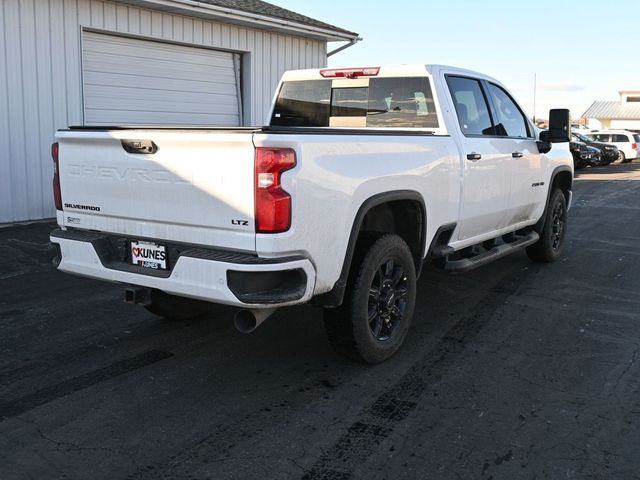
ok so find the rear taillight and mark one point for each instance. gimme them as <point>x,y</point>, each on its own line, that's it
<point>57,195</point>
<point>273,204</point>
<point>634,146</point>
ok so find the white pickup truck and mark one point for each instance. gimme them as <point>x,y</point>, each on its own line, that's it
<point>362,175</point>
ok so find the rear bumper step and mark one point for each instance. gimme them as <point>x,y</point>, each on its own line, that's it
<point>466,264</point>
<point>228,278</point>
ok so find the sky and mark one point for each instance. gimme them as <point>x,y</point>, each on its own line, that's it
<point>578,51</point>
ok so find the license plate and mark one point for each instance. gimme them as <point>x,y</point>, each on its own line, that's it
<point>149,255</point>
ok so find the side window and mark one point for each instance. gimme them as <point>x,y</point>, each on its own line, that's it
<point>620,138</point>
<point>471,106</point>
<point>510,121</point>
<point>405,102</point>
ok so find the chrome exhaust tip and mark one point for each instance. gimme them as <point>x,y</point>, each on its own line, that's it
<point>246,321</point>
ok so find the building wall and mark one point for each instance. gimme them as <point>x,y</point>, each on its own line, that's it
<point>625,124</point>
<point>595,124</point>
<point>41,86</point>
<point>607,124</point>
<point>625,94</point>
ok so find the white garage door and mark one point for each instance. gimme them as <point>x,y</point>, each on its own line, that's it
<point>138,82</point>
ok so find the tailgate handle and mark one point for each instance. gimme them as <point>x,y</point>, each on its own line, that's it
<point>139,146</point>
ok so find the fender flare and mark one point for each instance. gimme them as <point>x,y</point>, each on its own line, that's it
<point>556,171</point>
<point>335,296</point>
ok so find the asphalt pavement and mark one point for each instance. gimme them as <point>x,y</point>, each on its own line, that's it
<point>512,371</point>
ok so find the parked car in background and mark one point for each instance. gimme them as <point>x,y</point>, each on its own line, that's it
<point>627,142</point>
<point>596,159</point>
<point>610,153</point>
<point>581,154</point>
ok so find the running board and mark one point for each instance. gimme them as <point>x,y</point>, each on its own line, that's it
<point>466,264</point>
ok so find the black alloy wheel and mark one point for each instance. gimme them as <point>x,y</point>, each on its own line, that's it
<point>549,247</point>
<point>558,219</point>
<point>376,313</point>
<point>387,300</point>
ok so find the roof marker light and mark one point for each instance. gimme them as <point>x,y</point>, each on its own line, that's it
<point>350,72</point>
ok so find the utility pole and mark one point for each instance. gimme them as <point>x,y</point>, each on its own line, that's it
<point>534,98</point>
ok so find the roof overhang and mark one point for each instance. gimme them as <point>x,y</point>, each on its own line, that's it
<point>207,11</point>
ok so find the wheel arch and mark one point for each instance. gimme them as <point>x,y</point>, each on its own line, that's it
<point>561,177</point>
<point>377,212</point>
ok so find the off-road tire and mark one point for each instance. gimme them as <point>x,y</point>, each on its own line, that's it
<point>549,247</point>
<point>351,328</point>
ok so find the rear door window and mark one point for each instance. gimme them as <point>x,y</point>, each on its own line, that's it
<point>471,106</point>
<point>618,138</point>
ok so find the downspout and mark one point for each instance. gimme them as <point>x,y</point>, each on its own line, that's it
<point>344,47</point>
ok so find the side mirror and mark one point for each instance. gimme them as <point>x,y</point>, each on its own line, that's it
<point>559,125</point>
<point>544,145</point>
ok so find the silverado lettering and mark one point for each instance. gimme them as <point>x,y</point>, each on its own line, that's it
<point>82,207</point>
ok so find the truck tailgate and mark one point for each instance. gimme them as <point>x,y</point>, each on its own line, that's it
<point>195,186</point>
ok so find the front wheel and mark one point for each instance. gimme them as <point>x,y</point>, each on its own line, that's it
<point>548,248</point>
<point>373,321</point>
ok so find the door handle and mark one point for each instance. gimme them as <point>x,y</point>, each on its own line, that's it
<point>473,156</point>
<point>516,154</point>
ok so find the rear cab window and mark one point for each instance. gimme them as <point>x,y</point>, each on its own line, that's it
<point>303,103</point>
<point>381,102</point>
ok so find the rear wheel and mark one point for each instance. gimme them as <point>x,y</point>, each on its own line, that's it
<point>622,157</point>
<point>173,307</point>
<point>549,247</point>
<point>373,321</point>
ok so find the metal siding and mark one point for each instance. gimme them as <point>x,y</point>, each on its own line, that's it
<point>45,103</point>
<point>33,168</point>
<point>6,178</point>
<point>613,110</point>
<point>14,84</point>
<point>41,79</point>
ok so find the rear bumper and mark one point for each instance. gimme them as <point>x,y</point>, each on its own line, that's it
<point>203,274</point>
